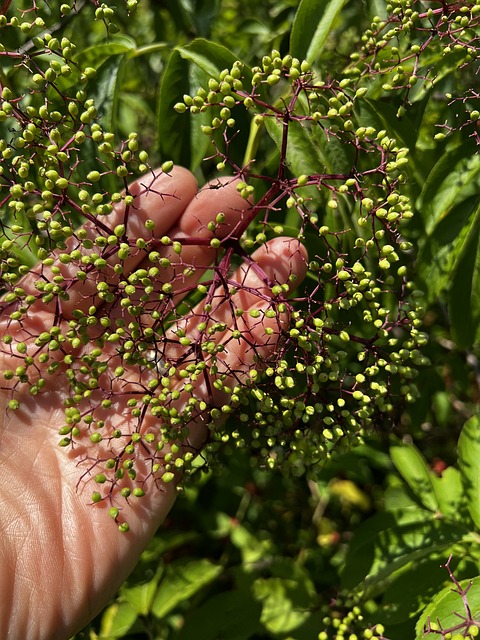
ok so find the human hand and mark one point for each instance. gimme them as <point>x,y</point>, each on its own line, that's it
<point>62,555</point>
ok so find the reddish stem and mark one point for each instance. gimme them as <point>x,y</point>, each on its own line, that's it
<point>4,7</point>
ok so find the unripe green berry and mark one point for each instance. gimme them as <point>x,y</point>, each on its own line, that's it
<point>93,176</point>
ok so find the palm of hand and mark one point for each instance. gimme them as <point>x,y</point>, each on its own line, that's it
<point>63,558</point>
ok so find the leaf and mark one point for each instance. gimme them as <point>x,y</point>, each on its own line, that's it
<point>399,497</point>
<point>293,570</point>
<point>449,491</point>
<point>117,620</point>
<point>309,149</point>
<point>286,603</point>
<point>439,66</point>
<point>303,156</point>
<point>464,294</point>
<point>401,128</point>
<point>210,56</point>
<point>173,129</point>
<point>167,542</point>
<point>183,580</point>
<point>140,596</point>
<point>438,258</point>
<point>447,607</point>
<point>199,142</point>
<point>412,590</point>
<point>181,17</point>
<point>234,615</point>
<point>106,89</point>
<point>414,470</point>
<point>252,548</point>
<point>388,541</point>
<point>469,464</point>
<point>97,54</point>
<point>453,179</point>
<point>203,14</point>
<point>311,27</point>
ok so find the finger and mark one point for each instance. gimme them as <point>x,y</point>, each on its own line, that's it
<point>186,401</point>
<point>161,198</point>
<point>259,316</point>
<point>248,339</point>
<point>263,285</point>
<point>132,312</point>
<point>278,263</point>
<point>217,211</point>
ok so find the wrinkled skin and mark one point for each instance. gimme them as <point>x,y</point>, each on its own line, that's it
<point>62,557</point>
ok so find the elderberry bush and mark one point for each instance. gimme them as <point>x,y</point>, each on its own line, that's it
<point>355,132</point>
<point>349,359</point>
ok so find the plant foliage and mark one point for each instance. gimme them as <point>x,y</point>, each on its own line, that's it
<point>350,126</point>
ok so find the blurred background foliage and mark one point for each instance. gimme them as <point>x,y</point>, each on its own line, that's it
<point>356,546</point>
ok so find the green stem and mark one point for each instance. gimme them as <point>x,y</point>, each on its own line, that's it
<point>151,48</point>
<point>252,144</point>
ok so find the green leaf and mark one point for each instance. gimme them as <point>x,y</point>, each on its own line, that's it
<point>449,490</point>
<point>252,548</point>
<point>453,179</point>
<point>140,596</point>
<point>401,128</point>
<point>464,294</point>
<point>311,27</point>
<point>173,129</point>
<point>199,142</point>
<point>303,156</point>
<point>183,580</point>
<point>412,590</point>
<point>388,541</point>
<point>203,14</point>
<point>117,620</point>
<point>469,463</point>
<point>414,470</point>
<point>106,91</point>
<point>234,615</point>
<point>439,257</point>
<point>309,150</point>
<point>447,607</point>
<point>167,542</point>
<point>286,603</point>
<point>96,55</point>
<point>181,17</point>
<point>210,57</point>
<point>439,65</point>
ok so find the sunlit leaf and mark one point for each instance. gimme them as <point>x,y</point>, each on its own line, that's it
<point>117,620</point>
<point>447,608</point>
<point>413,468</point>
<point>388,541</point>
<point>469,463</point>
<point>453,179</point>
<point>449,491</point>
<point>209,56</point>
<point>286,604</point>
<point>182,580</point>
<point>439,257</point>
<point>312,25</point>
<point>140,596</point>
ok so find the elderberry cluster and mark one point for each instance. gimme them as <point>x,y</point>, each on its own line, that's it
<point>351,626</point>
<point>351,355</point>
<point>335,180</point>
